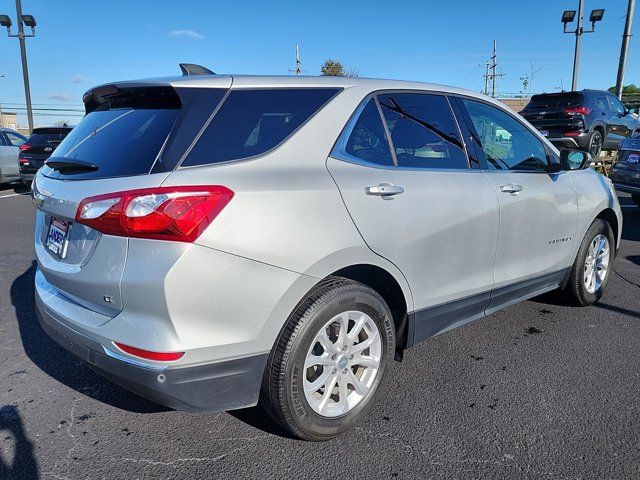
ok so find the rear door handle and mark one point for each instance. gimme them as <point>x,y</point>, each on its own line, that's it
<point>384,190</point>
<point>511,188</point>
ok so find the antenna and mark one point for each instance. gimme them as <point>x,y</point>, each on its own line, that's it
<point>493,75</point>
<point>298,70</point>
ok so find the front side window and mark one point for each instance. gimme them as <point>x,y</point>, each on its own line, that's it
<point>423,131</point>
<point>507,144</point>
<point>616,106</point>
<point>252,122</point>
<point>368,140</point>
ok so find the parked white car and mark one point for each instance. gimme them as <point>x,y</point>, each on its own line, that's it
<point>209,241</point>
<point>10,142</point>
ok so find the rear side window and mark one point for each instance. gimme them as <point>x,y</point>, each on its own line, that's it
<point>423,130</point>
<point>252,122</point>
<point>15,139</point>
<point>368,140</point>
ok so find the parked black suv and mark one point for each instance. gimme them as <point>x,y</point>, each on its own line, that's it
<point>592,120</point>
<point>38,147</point>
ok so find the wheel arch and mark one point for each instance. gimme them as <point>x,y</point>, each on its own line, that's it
<point>388,287</point>
<point>609,216</point>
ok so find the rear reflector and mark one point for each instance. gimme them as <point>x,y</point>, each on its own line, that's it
<point>23,161</point>
<point>163,213</point>
<point>572,134</point>
<point>149,355</point>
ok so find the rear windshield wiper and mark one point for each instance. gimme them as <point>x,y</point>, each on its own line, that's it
<point>67,165</point>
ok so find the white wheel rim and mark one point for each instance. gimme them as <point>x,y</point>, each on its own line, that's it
<point>342,363</point>
<point>596,265</point>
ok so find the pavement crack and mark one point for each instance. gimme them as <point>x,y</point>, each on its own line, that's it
<point>630,282</point>
<point>183,459</point>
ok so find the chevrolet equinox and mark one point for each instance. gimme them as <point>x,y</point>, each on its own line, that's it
<point>212,242</point>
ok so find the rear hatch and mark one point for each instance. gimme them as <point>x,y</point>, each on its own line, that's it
<point>40,144</point>
<point>554,113</point>
<point>131,138</point>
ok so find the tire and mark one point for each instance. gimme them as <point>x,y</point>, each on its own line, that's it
<point>636,199</point>
<point>283,394</point>
<point>594,145</point>
<point>577,292</point>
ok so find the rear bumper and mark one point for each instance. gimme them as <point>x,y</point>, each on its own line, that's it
<point>581,141</point>
<point>221,386</point>
<point>27,177</point>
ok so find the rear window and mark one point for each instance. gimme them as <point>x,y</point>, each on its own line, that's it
<point>48,136</point>
<point>122,135</point>
<point>252,122</point>
<point>555,100</point>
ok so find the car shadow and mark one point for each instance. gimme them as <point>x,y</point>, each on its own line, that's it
<point>58,363</point>
<point>15,187</point>
<point>257,418</point>
<point>24,465</point>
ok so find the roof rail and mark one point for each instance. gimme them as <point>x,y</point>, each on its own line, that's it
<point>193,69</point>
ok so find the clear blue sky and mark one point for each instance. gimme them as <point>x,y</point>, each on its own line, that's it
<point>81,44</point>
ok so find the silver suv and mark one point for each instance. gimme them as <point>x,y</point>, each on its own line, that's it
<point>212,242</point>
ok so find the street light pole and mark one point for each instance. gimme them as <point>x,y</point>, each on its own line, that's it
<point>624,48</point>
<point>29,21</point>
<point>25,69</point>
<point>576,53</point>
<point>567,17</point>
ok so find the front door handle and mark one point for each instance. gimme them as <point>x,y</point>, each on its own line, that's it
<point>511,188</point>
<point>384,190</point>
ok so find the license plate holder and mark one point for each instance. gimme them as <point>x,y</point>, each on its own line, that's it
<point>57,237</point>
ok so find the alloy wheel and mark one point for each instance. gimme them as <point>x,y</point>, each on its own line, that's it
<point>596,264</point>
<point>342,363</point>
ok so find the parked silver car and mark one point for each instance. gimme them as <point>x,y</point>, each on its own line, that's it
<point>209,241</point>
<point>10,142</point>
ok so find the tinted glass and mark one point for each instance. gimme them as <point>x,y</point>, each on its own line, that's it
<point>601,104</point>
<point>616,106</point>
<point>15,139</point>
<point>3,140</point>
<point>251,122</point>
<point>506,143</point>
<point>548,100</point>
<point>423,131</point>
<point>119,142</point>
<point>367,140</point>
<point>46,138</point>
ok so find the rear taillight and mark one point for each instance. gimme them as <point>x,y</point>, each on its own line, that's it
<point>577,110</point>
<point>163,213</point>
<point>24,147</point>
<point>149,355</point>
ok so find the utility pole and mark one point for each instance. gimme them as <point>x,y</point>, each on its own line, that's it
<point>30,22</point>
<point>624,48</point>
<point>493,75</point>
<point>568,17</point>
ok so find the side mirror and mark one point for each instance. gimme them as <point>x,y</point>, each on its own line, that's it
<point>574,159</point>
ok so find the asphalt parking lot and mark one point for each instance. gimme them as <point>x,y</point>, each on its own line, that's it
<point>539,390</point>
